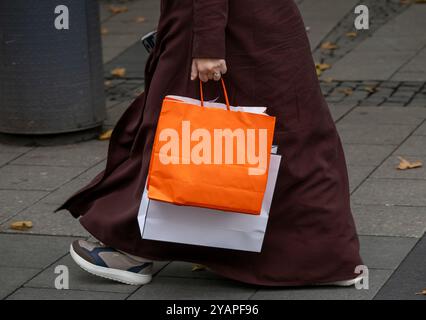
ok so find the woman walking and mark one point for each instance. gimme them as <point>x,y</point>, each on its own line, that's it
<point>263,48</point>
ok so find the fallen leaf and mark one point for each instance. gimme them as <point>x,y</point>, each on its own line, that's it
<point>104,31</point>
<point>329,46</point>
<point>351,34</point>
<point>322,66</point>
<point>370,89</point>
<point>346,91</point>
<point>404,164</point>
<point>140,19</point>
<point>106,135</point>
<point>118,72</point>
<point>21,225</point>
<point>420,1</point>
<point>198,267</point>
<point>421,293</point>
<point>118,9</point>
<point>404,2</point>
<point>328,80</point>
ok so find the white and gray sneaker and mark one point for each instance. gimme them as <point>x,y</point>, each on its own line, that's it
<point>109,263</point>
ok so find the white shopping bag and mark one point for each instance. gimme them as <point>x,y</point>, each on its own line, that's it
<point>206,227</point>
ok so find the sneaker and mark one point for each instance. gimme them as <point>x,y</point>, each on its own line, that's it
<point>109,263</point>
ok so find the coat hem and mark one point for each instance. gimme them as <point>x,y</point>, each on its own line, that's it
<point>219,272</point>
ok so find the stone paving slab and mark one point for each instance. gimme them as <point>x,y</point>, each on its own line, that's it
<point>409,279</point>
<point>386,115</point>
<point>377,279</point>
<point>385,252</point>
<point>414,145</point>
<point>13,201</point>
<point>366,155</point>
<point>9,148</point>
<point>421,131</point>
<point>414,70</point>
<point>357,174</point>
<point>53,294</point>
<point>84,154</point>
<point>12,278</point>
<point>320,19</point>
<point>360,66</point>
<point>133,59</point>
<point>124,29</point>
<point>47,222</point>
<point>360,133</point>
<point>29,251</point>
<point>339,111</point>
<point>43,178</point>
<point>60,195</point>
<point>166,288</point>
<point>403,192</point>
<point>7,157</point>
<point>394,221</point>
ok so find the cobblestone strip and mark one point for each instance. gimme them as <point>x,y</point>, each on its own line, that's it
<point>375,93</point>
<point>358,93</point>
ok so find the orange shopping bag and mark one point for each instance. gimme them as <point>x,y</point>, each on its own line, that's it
<point>210,155</point>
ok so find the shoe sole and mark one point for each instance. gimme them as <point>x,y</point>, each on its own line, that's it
<point>344,283</point>
<point>122,276</point>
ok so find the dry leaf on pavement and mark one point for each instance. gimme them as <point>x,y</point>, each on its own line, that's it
<point>140,19</point>
<point>21,225</point>
<point>370,89</point>
<point>346,91</point>
<point>351,34</point>
<point>329,46</point>
<point>106,135</point>
<point>104,31</point>
<point>118,72</point>
<point>118,9</point>
<point>322,66</point>
<point>405,164</point>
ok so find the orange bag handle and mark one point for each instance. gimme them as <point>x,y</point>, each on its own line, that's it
<point>225,93</point>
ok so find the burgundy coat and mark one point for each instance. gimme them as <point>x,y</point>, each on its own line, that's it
<point>311,237</point>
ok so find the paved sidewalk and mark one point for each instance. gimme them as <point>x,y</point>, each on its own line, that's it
<point>389,205</point>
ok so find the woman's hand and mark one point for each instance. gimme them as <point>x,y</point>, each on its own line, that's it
<point>208,69</point>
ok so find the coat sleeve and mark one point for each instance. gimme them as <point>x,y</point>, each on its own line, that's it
<point>210,20</point>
